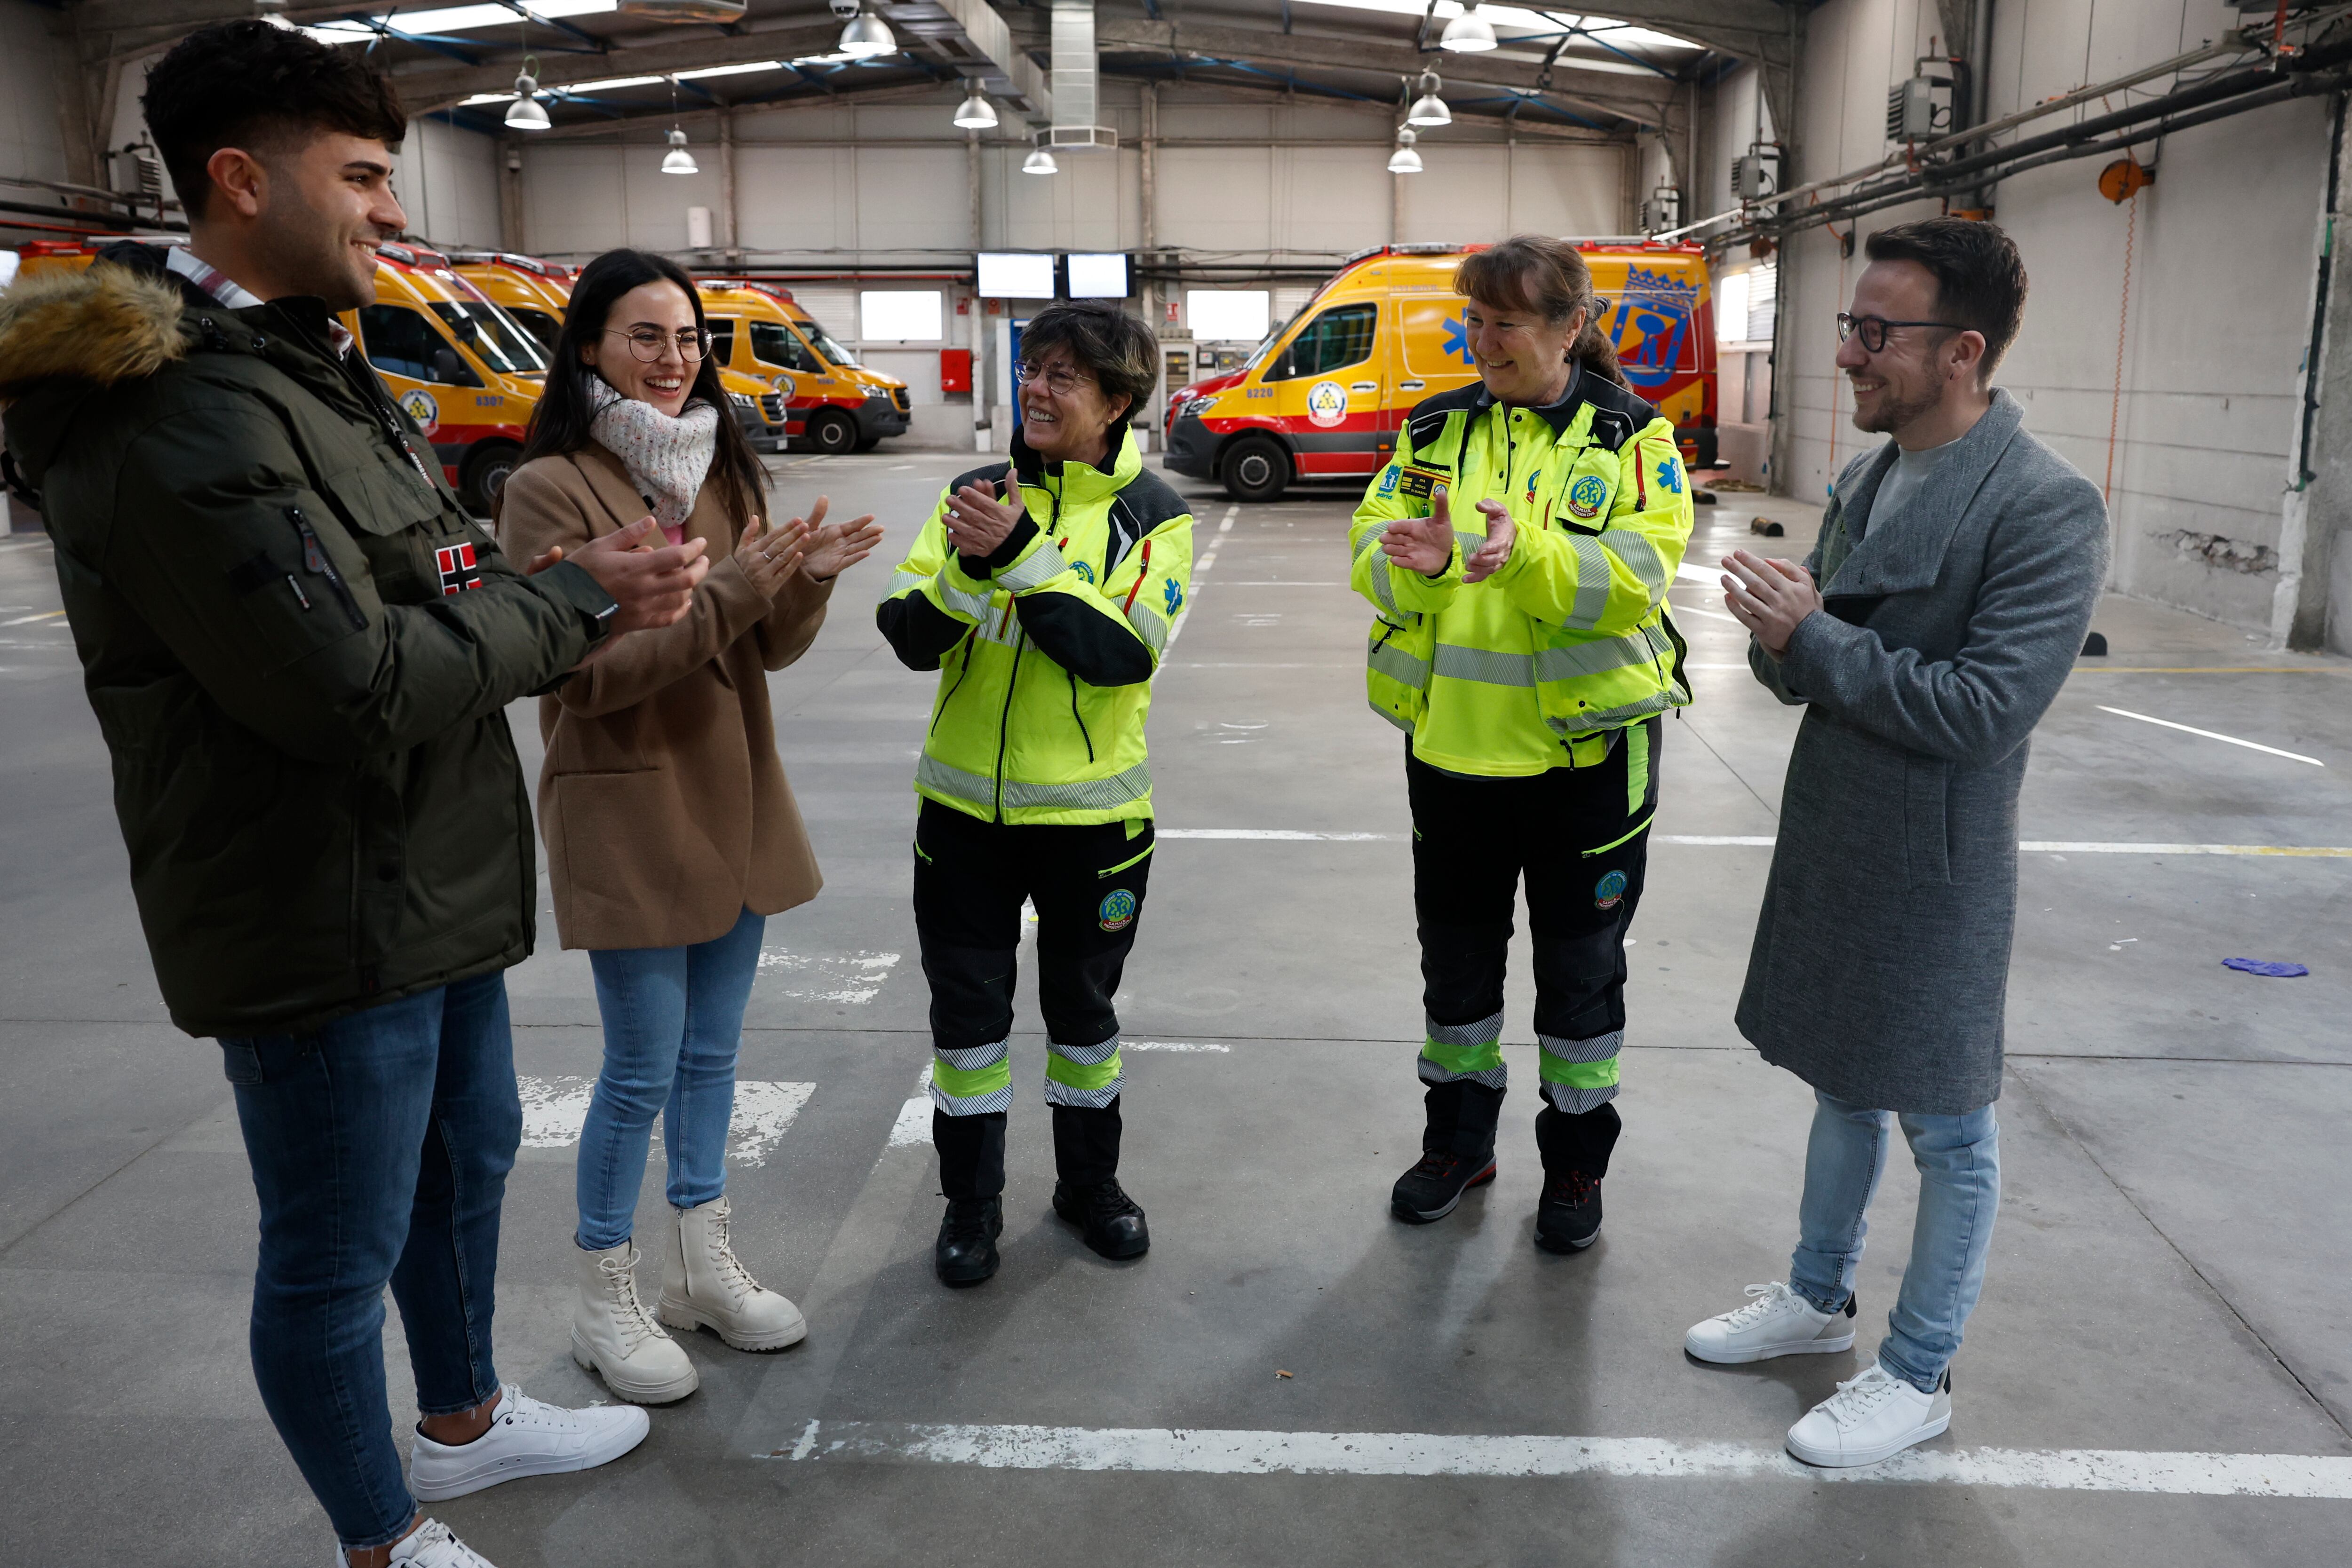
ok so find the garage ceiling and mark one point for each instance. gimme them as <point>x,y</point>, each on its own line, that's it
<point>1614,74</point>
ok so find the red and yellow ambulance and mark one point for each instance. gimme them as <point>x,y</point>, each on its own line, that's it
<point>1324,396</point>
<point>830,401</point>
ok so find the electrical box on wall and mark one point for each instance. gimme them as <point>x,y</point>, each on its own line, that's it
<point>1911,111</point>
<point>1757,174</point>
<point>955,370</point>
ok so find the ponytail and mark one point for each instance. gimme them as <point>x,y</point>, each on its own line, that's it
<point>1546,277</point>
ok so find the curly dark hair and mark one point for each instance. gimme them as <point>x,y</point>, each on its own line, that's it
<point>1107,343</point>
<point>252,85</point>
<point>1980,278</point>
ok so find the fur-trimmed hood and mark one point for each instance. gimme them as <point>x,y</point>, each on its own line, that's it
<point>99,326</point>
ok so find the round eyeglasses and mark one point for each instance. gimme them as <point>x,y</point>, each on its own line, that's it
<point>1059,382</point>
<point>648,342</point>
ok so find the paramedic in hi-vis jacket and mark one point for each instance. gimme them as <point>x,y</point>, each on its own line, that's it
<point>1043,591</point>
<point>1517,553</point>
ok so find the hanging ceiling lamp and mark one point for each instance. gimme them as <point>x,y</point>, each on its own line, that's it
<point>976,113</point>
<point>677,160</point>
<point>1428,109</point>
<point>867,36</point>
<point>1040,162</point>
<point>525,113</point>
<point>1404,160</point>
<point>1468,33</point>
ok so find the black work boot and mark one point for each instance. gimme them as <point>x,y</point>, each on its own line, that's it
<point>1457,1151</point>
<point>1575,1152</point>
<point>971,1179</point>
<point>1088,1194</point>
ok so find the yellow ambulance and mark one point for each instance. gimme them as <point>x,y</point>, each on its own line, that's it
<point>831,402</point>
<point>537,293</point>
<point>1324,396</point>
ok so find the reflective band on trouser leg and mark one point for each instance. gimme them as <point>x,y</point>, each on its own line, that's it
<point>1579,1075</point>
<point>1453,1052</point>
<point>1083,1075</point>
<point>974,1082</point>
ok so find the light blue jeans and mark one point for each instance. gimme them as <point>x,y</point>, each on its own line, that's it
<point>673,1023</point>
<point>1958,1159</point>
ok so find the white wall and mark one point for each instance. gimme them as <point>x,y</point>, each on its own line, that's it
<point>449,182</point>
<point>32,140</point>
<point>2220,296</point>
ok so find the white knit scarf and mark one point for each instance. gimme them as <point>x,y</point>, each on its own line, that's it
<point>668,459</point>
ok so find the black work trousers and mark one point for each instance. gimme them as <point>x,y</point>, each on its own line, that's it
<point>1579,839</point>
<point>1087,884</point>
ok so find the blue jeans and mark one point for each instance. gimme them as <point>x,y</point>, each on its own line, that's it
<point>380,1148</point>
<point>673,1022</point>
<point>1959,1191</point>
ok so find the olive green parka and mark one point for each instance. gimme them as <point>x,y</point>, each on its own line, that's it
<point>299,647</point>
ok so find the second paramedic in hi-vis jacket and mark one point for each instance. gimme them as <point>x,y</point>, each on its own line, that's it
<point>1043,591</point>
<point>1517,553</point>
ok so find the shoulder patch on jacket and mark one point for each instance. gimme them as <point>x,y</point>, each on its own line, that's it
<point>1428,416</point>
<point>992,473</point>
<point>1617,414</point>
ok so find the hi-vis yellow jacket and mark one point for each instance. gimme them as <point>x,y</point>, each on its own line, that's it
<point>1046,649</point>
<point>1530,669</point>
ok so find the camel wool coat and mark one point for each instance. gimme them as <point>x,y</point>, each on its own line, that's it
<point>662,802</point>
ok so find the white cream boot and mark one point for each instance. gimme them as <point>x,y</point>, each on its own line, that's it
<point>613,1334</point>
<point>703,1286</point>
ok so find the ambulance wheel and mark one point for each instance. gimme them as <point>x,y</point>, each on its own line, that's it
<point>1255,469</point>
<point>485,474</point>
<point>831,432</point>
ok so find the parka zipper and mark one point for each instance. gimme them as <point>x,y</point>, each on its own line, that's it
<point>1013,681</point>
<point>314,560</point>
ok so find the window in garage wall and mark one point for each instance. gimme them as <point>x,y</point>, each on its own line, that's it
<point>899,316</point>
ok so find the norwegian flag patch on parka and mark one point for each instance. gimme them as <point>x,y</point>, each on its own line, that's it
<point>458,572</point>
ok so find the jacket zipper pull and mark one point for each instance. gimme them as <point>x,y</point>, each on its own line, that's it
<point>314,559</point>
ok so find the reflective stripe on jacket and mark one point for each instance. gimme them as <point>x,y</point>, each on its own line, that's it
<point>1045,650</point>
<point>1528,670</point>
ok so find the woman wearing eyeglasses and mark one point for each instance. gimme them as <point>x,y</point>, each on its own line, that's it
<point>671,833</point>
<point>1043,591</point>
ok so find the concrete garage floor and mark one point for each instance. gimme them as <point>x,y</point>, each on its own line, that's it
<point>2168,1276</point>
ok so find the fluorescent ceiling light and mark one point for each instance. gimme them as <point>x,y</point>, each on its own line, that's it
<point>452,19</point>
<point>1520,19</point>
<point>729,71</point>
<point>604,83</point>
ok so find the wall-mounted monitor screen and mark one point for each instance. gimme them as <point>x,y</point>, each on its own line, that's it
<point>1098,277</point>
<point>1016,274</point>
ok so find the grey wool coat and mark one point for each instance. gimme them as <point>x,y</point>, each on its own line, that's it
<point>1881,963</point>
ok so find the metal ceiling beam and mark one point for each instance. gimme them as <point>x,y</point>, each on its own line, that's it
<point>1382,57</point>
<point>425,87</point>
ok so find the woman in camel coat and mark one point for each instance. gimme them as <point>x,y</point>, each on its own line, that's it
<point>671,833</point>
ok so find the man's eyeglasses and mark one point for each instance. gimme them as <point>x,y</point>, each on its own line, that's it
<point>1059,382</point>
<point>648,342</point>
<point>1873,328</point>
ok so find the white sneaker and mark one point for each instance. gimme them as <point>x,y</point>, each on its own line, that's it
<point>614,1335</point>
<point>429,1546</point>
<point>1870,1418</point>
<point>527,1438</point>
<point>704,1286</point>
<point>1779,1321</point>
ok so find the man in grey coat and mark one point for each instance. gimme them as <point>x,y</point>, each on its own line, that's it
<point>1924,637</point>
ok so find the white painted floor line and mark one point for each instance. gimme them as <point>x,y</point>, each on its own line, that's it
<point>914,1124</point>
<point>554,1109</point>
<point>28,620</point>
<point>1127,1045</point>
<point>1711,576</point>
<point>1246,1453</point>
<point>829,977</point>
<point>1709,614</point>
<point>2209,735</point>
<point>1765,841</point>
